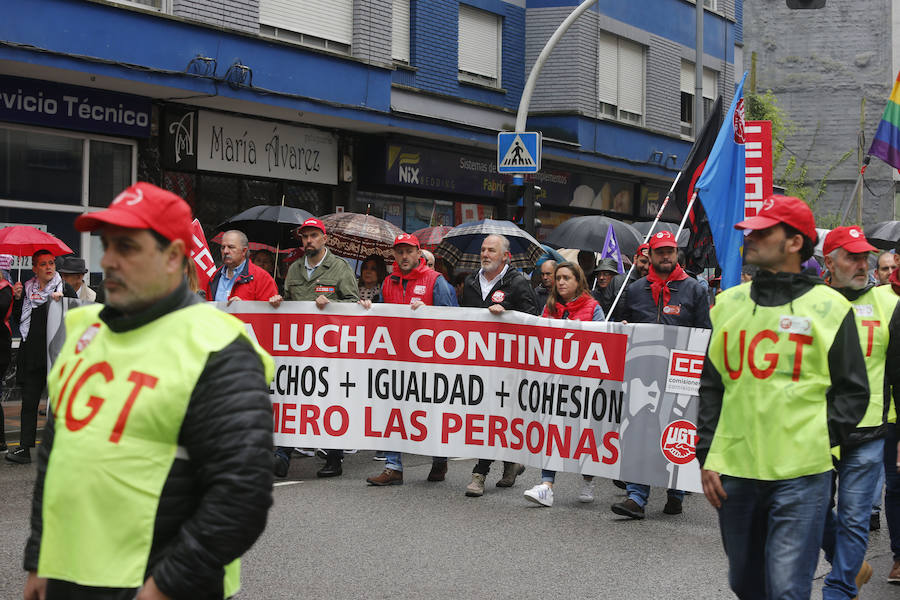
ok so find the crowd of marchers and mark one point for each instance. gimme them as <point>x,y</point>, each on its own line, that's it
<point>796,429</point>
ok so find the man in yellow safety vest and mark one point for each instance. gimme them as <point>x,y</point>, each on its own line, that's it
<point>155,474</point>
<point>784,381</point>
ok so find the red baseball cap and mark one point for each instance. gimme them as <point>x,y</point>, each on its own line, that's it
<point>852,239</point>
<point>663,239</point>
<point>643,249</point>
<point>406,238</point>
<point>145,206</point>
<point>783,209</point>
<point>313,223</point>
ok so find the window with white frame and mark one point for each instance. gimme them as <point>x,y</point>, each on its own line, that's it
<point>324,24</point>
<point>160,5</point>
<point>710,93</point>
<point>620,81</point>
<point>710,4</point>
<point>400,31</point>
<point>55,175</point>
<point>480,39</point>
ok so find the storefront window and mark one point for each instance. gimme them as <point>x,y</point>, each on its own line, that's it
<point>383,206</point>
<point>216,198</point>
<point>110,171</point>
<point>651,200</point>
<point>427,213</point>
<point>40,167</point>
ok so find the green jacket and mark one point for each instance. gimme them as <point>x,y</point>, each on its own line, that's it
<point>332,279</point>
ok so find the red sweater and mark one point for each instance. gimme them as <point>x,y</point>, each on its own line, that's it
<point>252,283</point>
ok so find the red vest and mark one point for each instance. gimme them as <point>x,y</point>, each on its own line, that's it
<point>419,285</point>
<point>580,309</point>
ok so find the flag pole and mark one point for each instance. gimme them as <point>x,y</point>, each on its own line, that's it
<point>859,180</point>
<point>646,239</point>
<point>277,249</point>
<point>686,213</point>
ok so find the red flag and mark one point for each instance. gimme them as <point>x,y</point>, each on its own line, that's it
<point>201,256</point>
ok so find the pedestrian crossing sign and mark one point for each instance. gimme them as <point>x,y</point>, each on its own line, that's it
<point>519,151</point>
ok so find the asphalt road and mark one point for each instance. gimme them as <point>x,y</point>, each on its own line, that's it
<point>339,538</point>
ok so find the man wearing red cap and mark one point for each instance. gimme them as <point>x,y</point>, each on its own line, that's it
<point>784,381</point>
<point>151,391</point>
<point>321,277</point>
<point>862,456</point>
<point>412,282</point>
<point>667,295</point>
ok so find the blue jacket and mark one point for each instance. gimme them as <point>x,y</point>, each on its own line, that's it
<point>688,305</point>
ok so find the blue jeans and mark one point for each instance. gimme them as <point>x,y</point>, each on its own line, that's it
<point>772,531</point>
<point>640,493</point>
<point>847,529</point>
<point>394,460</point>
<point>892,490</point>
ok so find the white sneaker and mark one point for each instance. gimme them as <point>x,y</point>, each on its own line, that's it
<point>540,494</point>
<point>587,491</point>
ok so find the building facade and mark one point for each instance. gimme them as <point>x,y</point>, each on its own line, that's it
<point>386,106</point>
<point>831,71</point>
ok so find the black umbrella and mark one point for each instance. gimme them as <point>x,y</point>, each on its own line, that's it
<point>644,226</point>
<point>884,235</point>
<point>273,225</point>
<point>589,233</point>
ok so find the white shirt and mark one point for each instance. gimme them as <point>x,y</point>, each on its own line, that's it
<point>487,286</point>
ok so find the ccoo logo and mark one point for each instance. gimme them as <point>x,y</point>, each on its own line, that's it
<point>679,442</point>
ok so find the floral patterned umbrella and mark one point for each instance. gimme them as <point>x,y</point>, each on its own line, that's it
<point>356,236</point>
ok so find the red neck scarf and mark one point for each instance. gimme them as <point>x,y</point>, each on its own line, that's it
<point>657,283</point>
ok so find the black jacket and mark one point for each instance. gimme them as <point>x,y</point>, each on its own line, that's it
<point>214,504</point>
<point>31,358</point>
<point>516,290</point>
<point>891,372</point>
<point>848,396</point>
<point>688,295</point>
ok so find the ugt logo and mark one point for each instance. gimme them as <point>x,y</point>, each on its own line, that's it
<point>679,442</point>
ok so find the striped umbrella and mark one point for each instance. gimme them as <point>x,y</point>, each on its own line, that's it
<point>461,246</point>
<point>430,237</point>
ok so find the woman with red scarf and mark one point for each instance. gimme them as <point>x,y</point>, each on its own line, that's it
<point>569,299</point>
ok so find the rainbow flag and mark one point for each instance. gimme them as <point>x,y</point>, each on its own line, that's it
<point>886,144</point>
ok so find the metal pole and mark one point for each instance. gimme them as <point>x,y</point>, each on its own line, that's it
<point>528,90</point>
<point>646,239</point>
<point>856,188</point>
<point>698,73</point>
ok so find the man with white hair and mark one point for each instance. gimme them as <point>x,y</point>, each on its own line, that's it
<point>429,258</point>
<point>862,454</point>
<point>497,287</point>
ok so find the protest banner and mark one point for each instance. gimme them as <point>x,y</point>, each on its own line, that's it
<point>607,399</point>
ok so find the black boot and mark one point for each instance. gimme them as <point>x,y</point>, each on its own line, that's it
<point>21,455</point>
<point>332,467</point>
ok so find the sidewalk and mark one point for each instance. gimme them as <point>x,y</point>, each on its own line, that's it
<point>13,425</point>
